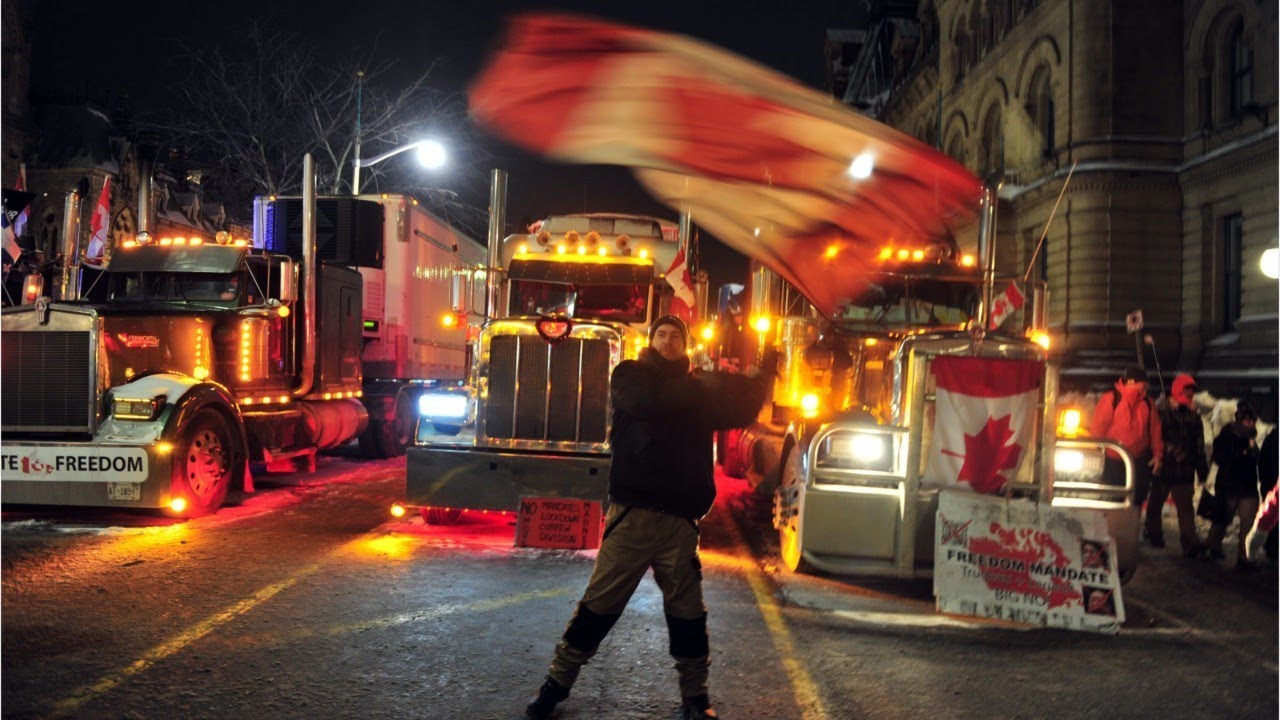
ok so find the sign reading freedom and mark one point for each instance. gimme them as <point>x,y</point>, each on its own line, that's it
<point>1024,562</point>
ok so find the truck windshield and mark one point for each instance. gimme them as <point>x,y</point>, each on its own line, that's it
<point>906,300</point>
<point>142,287</point>
<point>626,303</point>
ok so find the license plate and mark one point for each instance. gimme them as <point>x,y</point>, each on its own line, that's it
<point>124,491</point>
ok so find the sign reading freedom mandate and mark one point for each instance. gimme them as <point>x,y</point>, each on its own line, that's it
<point>1022,562</point>
<point>568,523</point>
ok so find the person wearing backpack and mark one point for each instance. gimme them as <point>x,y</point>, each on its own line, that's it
<point>1184,465</point>
<point>1125,415</point>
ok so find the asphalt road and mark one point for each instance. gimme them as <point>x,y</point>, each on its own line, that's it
<point>307,601</point>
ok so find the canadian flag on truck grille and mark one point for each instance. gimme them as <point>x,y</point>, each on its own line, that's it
<point>763,163</point>
<point>984,421</point>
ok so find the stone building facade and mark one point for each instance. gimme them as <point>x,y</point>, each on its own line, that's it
<point>1167,109</point>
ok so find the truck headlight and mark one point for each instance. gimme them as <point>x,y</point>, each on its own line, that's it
<point>446,406</point>
<point>131,409</point>
<point>1077,464</point>
<point>872,451</point>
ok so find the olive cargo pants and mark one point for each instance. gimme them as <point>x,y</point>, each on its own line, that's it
<point>635,540</point>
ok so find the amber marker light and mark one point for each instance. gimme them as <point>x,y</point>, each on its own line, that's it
<point>397,510</point>
<point>761,324</point>
<point>200,373</point>
<point>968,260</point>
<point>1041,338</point>
<point>809,405</point>
<point>164,448</point>
<point>130,243</point>
<point>886,253</point>
<point>708,332</point>
<point>283,311</point>
<point>560,250</point>
<point>178,504</point>
<point>918,255</point>
<point>448,320</point>
<point>602,251</point>
<point>582,249</point>
<point>831,252</point>
<point>1069,423</point>
<point>904,254</point>
<point>522,249</point>
<point>869,342</point>
<point>644,254</point>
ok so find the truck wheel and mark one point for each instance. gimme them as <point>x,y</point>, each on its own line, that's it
<point>789,546</point>
<point>389,438</point>
<point>205,463</point>
<point>441,516</point>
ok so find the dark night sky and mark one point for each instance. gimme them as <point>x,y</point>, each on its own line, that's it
<point>99,48</point>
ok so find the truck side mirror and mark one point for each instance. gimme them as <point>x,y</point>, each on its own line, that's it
<point>286,287</point>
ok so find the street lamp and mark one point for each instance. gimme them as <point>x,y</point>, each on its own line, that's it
<point>431,154</point>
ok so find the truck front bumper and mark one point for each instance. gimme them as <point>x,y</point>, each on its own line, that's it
<point>85,474</point>
<point>481,479</point>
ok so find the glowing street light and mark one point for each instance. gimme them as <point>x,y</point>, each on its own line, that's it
<point>430,153</point>
<point>1270,263</point>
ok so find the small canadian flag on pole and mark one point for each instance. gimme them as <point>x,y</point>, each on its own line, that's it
<point>98,226</point>
<point>678,277</point>
<point>1004,305</point>
<point>984,419</point>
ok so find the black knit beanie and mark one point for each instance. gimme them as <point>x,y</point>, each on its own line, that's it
<point>669,320</point>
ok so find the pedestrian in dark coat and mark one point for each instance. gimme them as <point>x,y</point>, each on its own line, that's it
<point>1236,452</point>
<point>1184,465</point>
<point>661,483</point>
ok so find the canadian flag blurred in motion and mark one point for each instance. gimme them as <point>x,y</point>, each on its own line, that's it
<point>1005,304</point>
<point>771,168</point>
<point>678,277</point>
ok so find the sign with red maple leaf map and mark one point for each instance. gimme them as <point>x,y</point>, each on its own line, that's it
<point>1026,562</point>
<point>983,422</point>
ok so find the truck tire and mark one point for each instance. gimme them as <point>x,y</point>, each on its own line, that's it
<point>385,438</point>
<point>790,548</point>
<point>205,463</point>
<point>441,516</point>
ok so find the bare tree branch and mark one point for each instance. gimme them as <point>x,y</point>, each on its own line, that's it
<point>248,117</point>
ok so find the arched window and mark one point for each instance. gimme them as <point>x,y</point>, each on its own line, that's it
<point>1239,72</point>
<point>955,149</point>
<point>992,151</point>
<point>960,56</point>
<point>1040,108</point>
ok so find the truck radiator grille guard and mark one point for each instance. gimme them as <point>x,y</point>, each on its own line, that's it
<point>50,383</point>
<point>541,391</point>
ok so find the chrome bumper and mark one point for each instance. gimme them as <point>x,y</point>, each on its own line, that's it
<point>85,474</point>
<point>479,479</point>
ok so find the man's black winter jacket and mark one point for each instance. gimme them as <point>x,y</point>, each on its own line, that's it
<point>663,421</point>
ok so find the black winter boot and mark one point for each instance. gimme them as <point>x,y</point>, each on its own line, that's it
<point>549,694</point>
<point>697,707</point>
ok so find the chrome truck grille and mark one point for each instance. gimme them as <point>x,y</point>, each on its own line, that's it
<point>48,382</point>
<point>540,391</point>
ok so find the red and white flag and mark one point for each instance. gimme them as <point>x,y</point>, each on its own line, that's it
<point>683,303</point>
<point>99,225</point>
<point>984,421</point>
<point>762,162</point>
<point>1005,304</point>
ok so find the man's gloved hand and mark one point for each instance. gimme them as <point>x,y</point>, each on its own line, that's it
<point>769,362</point>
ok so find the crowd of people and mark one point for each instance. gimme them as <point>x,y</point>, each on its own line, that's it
<point>1171,456</point>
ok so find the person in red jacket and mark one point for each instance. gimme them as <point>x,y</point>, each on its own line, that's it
<point>1126,416</point>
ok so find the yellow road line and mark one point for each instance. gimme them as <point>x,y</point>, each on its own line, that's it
<point>806,690</point>
<point>177,643</point>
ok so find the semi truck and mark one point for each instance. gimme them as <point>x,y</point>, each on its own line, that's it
<point>569,300</point>
<point>844,447</point>
<point>157,384</point>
